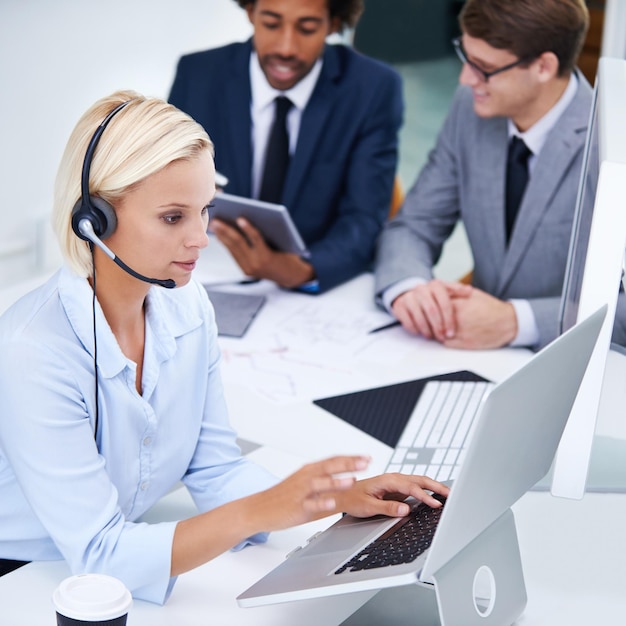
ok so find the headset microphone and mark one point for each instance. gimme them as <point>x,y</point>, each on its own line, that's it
<point>94,219</point>
<point>86,230</point>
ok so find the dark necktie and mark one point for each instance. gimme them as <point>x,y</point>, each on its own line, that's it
<point>277,154</point>
<point>516,180</point>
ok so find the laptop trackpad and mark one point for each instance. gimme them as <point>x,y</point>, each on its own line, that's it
<point>345,538</point>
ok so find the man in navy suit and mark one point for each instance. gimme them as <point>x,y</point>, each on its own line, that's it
<point>343,120</point>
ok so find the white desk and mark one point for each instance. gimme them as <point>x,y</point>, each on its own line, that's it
<point>572,552</point>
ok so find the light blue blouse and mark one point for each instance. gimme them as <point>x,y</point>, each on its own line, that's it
<point>63,497</point>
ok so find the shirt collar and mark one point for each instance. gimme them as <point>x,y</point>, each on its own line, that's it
<point>537,134</point>
<point>166,319</point>
<point>263,94</point>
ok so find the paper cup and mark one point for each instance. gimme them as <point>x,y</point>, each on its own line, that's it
<point>93,599</point>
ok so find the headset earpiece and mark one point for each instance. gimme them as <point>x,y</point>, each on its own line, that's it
<point>94,219</point>
<point>94,209</point>
<point>97,211</point>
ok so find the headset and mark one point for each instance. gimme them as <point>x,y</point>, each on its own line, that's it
<point>94,219</point>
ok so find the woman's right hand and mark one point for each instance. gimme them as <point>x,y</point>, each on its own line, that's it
<point>307,494</point>
<point>323,488</point>
<point>315,491</point>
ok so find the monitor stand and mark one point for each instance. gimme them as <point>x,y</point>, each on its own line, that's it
<point>482,585</point>
<point>607,466</point>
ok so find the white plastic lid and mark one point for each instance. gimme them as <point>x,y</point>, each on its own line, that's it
<point>92,597</point>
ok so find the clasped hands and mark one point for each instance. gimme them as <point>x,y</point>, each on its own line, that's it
<point>256,259</point>
<point>457,315</point>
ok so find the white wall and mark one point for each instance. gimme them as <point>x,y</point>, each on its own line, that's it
<point>60,56</point>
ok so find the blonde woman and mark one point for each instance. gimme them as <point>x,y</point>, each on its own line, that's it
<point>110,384</point>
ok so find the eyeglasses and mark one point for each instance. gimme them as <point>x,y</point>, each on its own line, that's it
<point>480,73</point>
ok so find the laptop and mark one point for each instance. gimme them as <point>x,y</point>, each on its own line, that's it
<point>516,435</point>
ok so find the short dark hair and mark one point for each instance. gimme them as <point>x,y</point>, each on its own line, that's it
<point>348,11</point>
<point>529,28</point>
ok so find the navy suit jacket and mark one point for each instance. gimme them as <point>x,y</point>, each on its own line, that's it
<point>340,179</point>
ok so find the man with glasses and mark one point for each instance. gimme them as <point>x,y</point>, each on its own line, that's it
<point>507,163</point>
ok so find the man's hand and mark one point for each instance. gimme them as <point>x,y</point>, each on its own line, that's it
<point>257,259</point>
<point>482,322</point>
<point>427,309</point>
<point>457,315</point>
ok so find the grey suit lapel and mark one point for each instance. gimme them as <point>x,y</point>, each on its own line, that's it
<point>562,145</point>
<point>312,124</point>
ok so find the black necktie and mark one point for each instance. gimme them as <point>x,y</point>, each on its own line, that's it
<point>277,154</point>
<point>516,179</point>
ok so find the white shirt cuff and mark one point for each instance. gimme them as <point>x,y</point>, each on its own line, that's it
<point>527,331</point>
<point>391,293</point>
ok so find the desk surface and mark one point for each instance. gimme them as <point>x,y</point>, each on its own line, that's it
<point>572,551</point>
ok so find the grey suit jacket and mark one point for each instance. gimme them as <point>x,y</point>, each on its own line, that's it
<point>465,179</point>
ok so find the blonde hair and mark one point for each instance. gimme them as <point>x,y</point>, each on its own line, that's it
<point>144,137</point>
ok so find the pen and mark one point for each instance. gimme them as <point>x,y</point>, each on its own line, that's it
<point>390,325</point>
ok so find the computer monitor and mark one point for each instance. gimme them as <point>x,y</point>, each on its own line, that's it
<point>614,30</point>
<point>595,265</point>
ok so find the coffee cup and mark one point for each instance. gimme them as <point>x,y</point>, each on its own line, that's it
<point>93,599</point>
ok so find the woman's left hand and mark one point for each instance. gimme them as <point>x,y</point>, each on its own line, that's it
<point>383,495</point>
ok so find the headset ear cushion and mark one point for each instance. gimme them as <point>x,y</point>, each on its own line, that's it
<point>108,219</point>
<point>97,211</point>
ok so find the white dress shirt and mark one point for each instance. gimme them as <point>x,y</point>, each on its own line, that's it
<point>64,498</point>
<point>262,113</point>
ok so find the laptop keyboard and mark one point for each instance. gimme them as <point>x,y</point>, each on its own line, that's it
<point>434,439</point>
<point>402,543</point>
<point>432,444</point>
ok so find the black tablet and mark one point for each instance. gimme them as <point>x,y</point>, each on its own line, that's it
<point>272,220</point>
